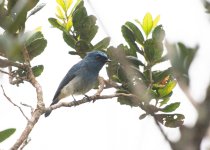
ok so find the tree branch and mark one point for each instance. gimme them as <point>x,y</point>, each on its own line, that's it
<point>39,110</point>
<point>6,63</point>
<point>101,85</point>
<point>85,100</point>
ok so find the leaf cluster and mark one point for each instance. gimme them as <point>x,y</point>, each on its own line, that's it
<point>132,67</point>
<point>78,27</point>
<point>14,39</point>
<point>185,56</point>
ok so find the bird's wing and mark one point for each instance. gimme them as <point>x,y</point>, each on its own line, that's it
<point>69,76</point>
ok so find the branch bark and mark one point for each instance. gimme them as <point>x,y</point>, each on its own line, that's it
<point>6,63</point>
<point>40,108</point>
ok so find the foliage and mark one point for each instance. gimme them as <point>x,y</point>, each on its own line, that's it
<point>78,27</point>
<point>185,55</point>
<point>6,134</point>
<point>132,66</point>
<point>14,39</point>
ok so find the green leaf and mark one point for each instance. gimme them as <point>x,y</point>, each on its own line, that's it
<point>181,58</point>
<point>167,89</point>
<point>13,49</point>
<point>36,44</point>
<point>162,59</point>
<point>55,23</point>
<point>36,47</point>
<point>82,47</point>
<point>153,50</point>
<point>103,44</point>
<point>142,116</point>
<point>170,120</point>
<point>135,60</point>
<point>137,33</point>
<point>33,37</point>
<point>158,34</point>
<point>73,53</point>
<point>130,39</point>
<point>164,101</point>
<point>36,9</point>
<point>78,16</point>
<point>128,34</point>
<point>69,39</point>
<point>37,70</point>
<point>87,28</point>
<point>158,76</point>
<point>147,24</point>
<point>127,101</point>
<point>6,134</point>
<point>171,107</point>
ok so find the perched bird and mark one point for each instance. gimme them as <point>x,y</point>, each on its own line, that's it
<point>81,77</point>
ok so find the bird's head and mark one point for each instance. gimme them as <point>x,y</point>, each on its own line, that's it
<point>96,58</point>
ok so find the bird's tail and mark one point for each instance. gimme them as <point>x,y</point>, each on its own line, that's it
<point>48,112</point>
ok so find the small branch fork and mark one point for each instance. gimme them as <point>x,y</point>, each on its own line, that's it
<point>39,110</point>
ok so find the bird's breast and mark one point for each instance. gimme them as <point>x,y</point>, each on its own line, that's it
<point>81,84</point>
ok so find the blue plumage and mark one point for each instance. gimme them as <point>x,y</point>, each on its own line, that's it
<point>81,77</point>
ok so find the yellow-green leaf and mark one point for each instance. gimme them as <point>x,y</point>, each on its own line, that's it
<point>39,28</point>
<point>59,13</point>
<point>171,107</point>
<point>75,5</point>
<point>147,23</point>
<point>155,21</point>
<point>69,24</point>
<point>168,88</point>
<point>68,3</point>
<point>61,4</point>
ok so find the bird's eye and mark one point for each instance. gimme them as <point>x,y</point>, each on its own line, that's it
<point>98,57</point>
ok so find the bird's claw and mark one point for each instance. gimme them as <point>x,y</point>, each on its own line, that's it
<point>89,99</point>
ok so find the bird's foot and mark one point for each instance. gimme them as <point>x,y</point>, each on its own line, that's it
<point>89,99</point>
<point>75,101</point>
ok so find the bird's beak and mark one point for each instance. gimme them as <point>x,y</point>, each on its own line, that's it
<point>108,60</point>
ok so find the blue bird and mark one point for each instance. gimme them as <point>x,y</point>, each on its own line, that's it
<point>81,77</point>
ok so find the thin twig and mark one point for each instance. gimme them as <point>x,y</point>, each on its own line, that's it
<point>101,85</point>
<point>4,72</point>
<point>26,105</point>
<point>111,84</point>
<point>9,99</point>
<point>6,63</point>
